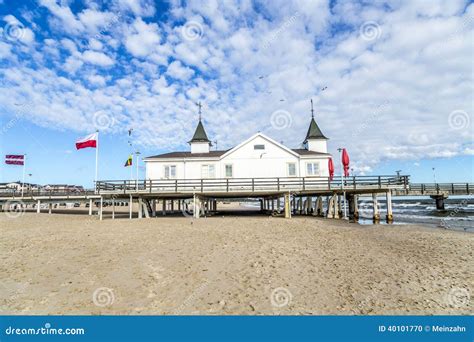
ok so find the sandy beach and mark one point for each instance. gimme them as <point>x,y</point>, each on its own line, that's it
<point>253,265</point>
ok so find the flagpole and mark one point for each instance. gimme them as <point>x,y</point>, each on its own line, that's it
<point>23,177</point>
<point>96,162</point>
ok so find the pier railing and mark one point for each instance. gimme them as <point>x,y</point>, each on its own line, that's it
<point>251,185</point>
<point>16,193</point>
<point>439,188</point>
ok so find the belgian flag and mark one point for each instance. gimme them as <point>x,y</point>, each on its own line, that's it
<point>129,161</point>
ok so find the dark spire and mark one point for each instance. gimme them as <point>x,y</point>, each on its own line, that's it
<point>200,133</point>
<point>313,131</point>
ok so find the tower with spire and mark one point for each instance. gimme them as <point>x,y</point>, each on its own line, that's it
<point>315,140</point>
<point>200,143</point>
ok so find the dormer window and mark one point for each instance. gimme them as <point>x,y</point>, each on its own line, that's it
<point>258,147</point>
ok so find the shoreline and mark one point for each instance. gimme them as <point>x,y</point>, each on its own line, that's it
<point>253,265</point>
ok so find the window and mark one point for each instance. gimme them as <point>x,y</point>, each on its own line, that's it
<point>258,147</point>
<point>229,172</point>
<point>291,169</point>
<point>170,171</point>
<point>208,171</point>
<point>312,169</point>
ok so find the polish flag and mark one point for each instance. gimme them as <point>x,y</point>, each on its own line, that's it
<point>89,141</point>
<point>15,159</point>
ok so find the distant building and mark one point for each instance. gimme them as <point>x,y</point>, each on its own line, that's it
<point>257,157</point>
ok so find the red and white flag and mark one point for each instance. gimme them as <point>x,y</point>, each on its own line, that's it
<point>89,141</point>
<point>15,159</point>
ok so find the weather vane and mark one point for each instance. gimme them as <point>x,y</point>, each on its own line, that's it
<point>312,110</point>
<point>200,106</point>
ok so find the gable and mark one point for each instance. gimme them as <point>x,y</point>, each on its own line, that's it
<point>260,146</point>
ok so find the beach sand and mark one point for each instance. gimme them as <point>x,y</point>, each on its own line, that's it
<point>76,264</point>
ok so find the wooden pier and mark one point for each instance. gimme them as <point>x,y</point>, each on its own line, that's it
<point>198,197</point>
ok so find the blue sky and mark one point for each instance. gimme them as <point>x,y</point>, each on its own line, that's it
<point>397,80</point>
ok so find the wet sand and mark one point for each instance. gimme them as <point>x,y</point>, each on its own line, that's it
<point>76,264</point>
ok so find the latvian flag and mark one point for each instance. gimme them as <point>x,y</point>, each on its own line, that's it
<point>15,159</point>
<point>89,141</point>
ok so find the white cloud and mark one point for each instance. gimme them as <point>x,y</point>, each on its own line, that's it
<point>142,38</point>
<point>97,58</point>
<point>178,71</point>
<point>386,98</point>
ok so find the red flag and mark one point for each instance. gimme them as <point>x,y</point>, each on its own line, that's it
<point>15,159</point>
<point>331,169</point>
<point>89,141</point>
<point>345,162</point>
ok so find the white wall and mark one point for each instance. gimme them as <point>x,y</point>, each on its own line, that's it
<point>318,145</point>
<point>200,147</point>
<point>246,161</point>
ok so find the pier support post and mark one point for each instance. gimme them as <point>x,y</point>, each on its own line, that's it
<point>309,205</point>
<point>337,212</point>
<point>355,207</point>
<point>300,205</point>
<point>278,204</point>
<point>318,207</point>
<point>90,206</point>
<point>439,201</point>
<point>197,207</point>
<point>172,206</point>
<point>179,205</point>
<point>273,204</point>
<point>130,207</point>
<point>163,208</point>
<point>101,208</point>
<point>261,204</point>
<point>113,208</point>
<point>287,203</point>
<point>389,207</point>
<point>38,207</point>
<point>50,207</point>
<point>140,208</point>
<point>153,207</point>
<point>376,208</point>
